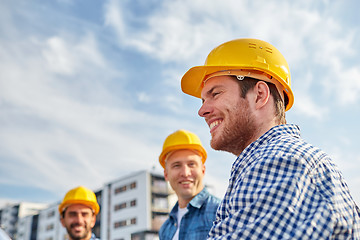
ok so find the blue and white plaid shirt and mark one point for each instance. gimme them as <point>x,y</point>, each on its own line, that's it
<point>284,188</point>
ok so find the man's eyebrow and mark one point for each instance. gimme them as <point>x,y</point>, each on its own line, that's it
<point>210,91</point>
<point>175,163</point>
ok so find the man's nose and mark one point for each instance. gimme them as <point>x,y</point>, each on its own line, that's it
<point>78,217</point>
<point>186,171</point>
<point>204,109</point>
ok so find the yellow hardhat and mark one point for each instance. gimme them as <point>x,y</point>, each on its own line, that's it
<point>181,139</point>
<point>80,195</point>
<point>248,55</point>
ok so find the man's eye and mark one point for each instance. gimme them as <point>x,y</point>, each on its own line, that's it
<point>215,93</point>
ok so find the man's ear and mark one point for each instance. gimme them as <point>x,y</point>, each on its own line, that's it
<point>93,221</point>
<point>62,221</point>
<point>262,92</point>
<point>165,174</point>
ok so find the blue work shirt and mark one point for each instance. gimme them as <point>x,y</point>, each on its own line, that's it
<point>93,237</point>
<point>196,223</point>
<point>284,188</point>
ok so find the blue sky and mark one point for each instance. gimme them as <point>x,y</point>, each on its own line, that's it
<point>90,89</point>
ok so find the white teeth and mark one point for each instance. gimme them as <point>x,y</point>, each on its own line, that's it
<point>213,124</point>
<point>185,182</point>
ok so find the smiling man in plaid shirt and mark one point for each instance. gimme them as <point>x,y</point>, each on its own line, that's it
<point>280,186</point>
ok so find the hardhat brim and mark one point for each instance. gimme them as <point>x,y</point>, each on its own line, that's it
<point>192,82</point>
<point>93,206</point>
<point>167,150</point>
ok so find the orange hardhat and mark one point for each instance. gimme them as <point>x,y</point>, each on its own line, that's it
<point>80,195</point>
<point>181,139</point>
<point>249,58</point>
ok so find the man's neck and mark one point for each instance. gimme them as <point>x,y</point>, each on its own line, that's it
<point>183,202</point>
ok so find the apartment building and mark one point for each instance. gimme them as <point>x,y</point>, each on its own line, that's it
<point>135,206</point>
<point>49,225</point>
<point>27,228</point>
<point>11,214</point>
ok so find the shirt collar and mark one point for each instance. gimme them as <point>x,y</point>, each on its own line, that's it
<point>276,131</point>
<point>196,202</point>
<point>93,237</point>
<point>285,129</point>
<point>199,199</point>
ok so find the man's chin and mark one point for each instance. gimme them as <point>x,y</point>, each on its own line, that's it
<point>215,144</point>
<point>77,235</point>
<point>187,194</point>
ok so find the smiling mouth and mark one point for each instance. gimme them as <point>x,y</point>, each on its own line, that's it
<point>78,228</point>
<point>185,182</point>
<point>214,124</point>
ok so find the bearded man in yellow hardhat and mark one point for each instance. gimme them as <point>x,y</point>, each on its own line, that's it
<point>280,186</point>
<point>78,212</point>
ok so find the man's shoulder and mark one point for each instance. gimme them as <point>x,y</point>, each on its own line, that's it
<point>213,199</point>
<point>93,237</point>
<point>212,202</point>
<point>286,139</point>
<point>205,194</point>
<point>204,198</point>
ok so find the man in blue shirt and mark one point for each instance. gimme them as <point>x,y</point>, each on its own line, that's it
<point>280,186</point>
<point>183,159</point>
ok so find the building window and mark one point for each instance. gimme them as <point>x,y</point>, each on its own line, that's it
<point>123,205</point>
<point>51,214</point>
<point>120,206</point>
<point>120,189</point>
<point>116,225</point>
<point>49,227</point>
<point>125,223</point>
<point>120,224</point>
<point>125,187</point>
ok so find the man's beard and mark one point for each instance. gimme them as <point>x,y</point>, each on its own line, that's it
<point>238,131</point>
<point>77,237</point>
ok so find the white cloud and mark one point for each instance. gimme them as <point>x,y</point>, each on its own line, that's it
<point>305,105</point>
<point>59,57</point>
<point>344,82</point>
<point>114,18</point>
<point>143,97</point>
<point>70,58</point>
